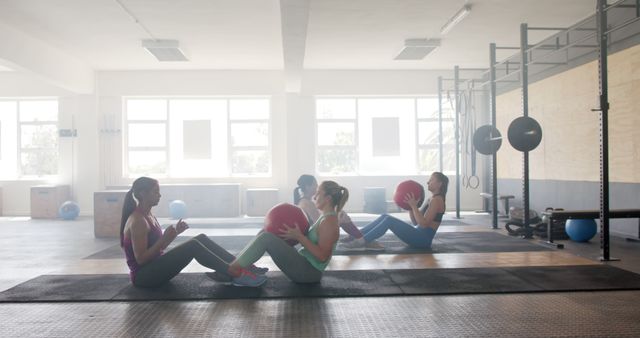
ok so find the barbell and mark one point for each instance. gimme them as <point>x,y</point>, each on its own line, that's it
<point>524,134</point>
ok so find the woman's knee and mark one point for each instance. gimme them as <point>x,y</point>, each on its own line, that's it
<point>201,237</point>
<point>267,236</point>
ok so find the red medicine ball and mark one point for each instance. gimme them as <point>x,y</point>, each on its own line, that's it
<point>285,213</point>
<point>406,187</point>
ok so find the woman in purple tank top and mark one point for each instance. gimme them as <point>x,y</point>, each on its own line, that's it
<point>144,243</point>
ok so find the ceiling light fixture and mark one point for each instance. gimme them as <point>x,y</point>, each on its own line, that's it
<point>164,50</point>
<point>456,18</point>
<point>417,49</point>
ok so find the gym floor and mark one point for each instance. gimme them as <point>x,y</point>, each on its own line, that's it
<point>29,248</point>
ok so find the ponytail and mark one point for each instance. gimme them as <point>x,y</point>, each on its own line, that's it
<point>303,181</point>
<point>127,209</point>
<point>297,195</point>
<point>131,200</point>
<point>344,197</point>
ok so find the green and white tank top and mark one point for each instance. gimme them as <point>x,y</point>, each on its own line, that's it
<point>313,237</point>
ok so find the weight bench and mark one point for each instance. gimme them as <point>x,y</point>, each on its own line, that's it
<point>563,215</point>
<point>504,198</point>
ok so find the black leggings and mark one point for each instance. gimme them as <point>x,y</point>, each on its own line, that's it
<point>201,248</point>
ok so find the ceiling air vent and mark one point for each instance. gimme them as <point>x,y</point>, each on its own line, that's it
<point>417,49</point>
<point>164,50</point>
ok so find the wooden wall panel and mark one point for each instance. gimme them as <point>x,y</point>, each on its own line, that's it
<point>562,104</point>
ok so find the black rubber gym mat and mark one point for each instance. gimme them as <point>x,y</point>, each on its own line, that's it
<point>445,242</point>
<point>196,286</point>
<point>258,225</point>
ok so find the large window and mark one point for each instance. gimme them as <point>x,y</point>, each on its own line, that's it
<point>197,137</point>
<point>28,138</point>
<point>382,136</point>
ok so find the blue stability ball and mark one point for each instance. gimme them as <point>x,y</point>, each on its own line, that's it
<point>581,230</point>
<point>69,210</point>
<point>177,209</point>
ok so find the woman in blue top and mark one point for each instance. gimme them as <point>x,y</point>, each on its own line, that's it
<point>307,264</point>
<point>425,221</point>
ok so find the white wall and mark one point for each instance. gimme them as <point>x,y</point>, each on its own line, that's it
<point>98,118</point>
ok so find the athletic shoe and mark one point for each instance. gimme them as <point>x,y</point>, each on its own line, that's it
<point>375,246</point>
<point>219,277</point>
<point>357,244</point>
<point>249,279</point>
<point>258,270</point>
<point>347,239</point>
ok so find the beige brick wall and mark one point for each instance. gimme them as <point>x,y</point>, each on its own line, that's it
<point>570,147</point>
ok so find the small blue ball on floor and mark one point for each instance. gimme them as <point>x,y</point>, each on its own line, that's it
<point>177,209</point>
<point>69,210</point>
<point>581,230</point>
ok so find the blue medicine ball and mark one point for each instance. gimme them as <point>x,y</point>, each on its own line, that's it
<point>69,210</point>
<point>581,230</point>
<point>177,209</point>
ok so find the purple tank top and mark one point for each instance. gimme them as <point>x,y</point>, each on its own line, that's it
<point>154,235</point>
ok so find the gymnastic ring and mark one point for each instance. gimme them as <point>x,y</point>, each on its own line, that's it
<point>472,185</point>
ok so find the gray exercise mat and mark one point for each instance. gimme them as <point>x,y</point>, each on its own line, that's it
<point>353,283</point>
<point>445,242</point>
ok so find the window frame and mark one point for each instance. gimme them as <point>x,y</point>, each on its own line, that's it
<point>356,146</point>
<point>228,168</point>
<point>17,172</point>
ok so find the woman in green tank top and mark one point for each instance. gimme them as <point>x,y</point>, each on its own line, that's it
<point>307,264</point>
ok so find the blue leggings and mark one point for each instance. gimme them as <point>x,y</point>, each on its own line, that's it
<point>419,237</point>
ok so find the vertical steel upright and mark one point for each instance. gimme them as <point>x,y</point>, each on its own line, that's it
<point>601,13</point>
<point>456,80</point>
<point>494,156</point>
<point>440,147</point>
<point>524,46</point>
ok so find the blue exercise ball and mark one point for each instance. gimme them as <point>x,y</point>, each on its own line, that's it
<point>177,209</point>
<point>69,210</point>
<point>581,230</point>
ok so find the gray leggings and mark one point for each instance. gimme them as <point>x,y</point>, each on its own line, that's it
<point>201,248</point>
<point>291,263</point>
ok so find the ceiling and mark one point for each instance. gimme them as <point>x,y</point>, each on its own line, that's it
<point>270,34</point>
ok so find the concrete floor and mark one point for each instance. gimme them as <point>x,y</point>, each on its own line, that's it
<point>29,248</point>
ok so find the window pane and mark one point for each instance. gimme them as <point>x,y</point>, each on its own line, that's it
<point>146,110</point>
<point>147,162</point>
<point>428,133</point>
<point>38,136</point>
<point>197,108</point>
<point>428,108</point>
<point>31,111</point>
<point>336,133</point>
<point>249,134</point>
<point>449,158</point>
<point>448,132</point>
<point>250,162</point>
<point>386,107</point>
<point>336,161</point>
<point>147,135</point>
<point>336,109</point>
<point>39,162</point>
<point>429,160</point>
<point>249,109</point>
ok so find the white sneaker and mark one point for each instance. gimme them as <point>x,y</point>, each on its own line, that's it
<point>374,246</point>
<point>357,244</point>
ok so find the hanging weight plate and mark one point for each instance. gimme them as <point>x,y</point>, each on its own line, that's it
<point>487,139</point>
<point>524,133</point>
